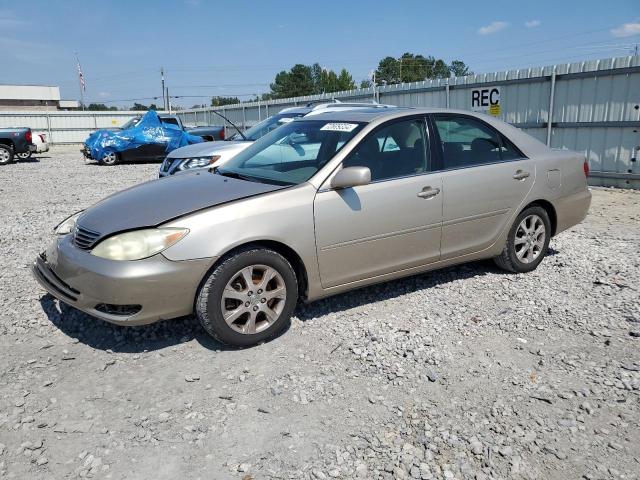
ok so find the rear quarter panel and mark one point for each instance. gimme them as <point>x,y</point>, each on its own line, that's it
<point>561,181</point>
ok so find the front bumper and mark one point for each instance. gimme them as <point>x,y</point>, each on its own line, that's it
<point>163,288</point>
<point>86,153</point>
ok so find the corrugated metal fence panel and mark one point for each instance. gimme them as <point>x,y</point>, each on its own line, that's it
<point>590,92</point>
<point>66,127</point>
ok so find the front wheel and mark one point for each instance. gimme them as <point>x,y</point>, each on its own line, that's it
<point>527,242</point>
<point>110,158</point>
<point>248,298</point>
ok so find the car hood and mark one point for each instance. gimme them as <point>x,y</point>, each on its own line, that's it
<point>158,201</point>
<point>207,148</point>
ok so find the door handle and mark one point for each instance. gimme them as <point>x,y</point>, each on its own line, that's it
<point>520,175</point>
<point>428,192</point>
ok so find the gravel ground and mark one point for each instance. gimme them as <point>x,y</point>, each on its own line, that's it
<point>467,372</point>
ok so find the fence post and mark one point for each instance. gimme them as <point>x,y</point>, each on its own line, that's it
<point>224,122</point>
<point>551,102</point>
<point>49,129</point>
<point>447,89</point>
<point>244,119</point>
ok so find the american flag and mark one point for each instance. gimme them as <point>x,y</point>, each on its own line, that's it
<point>81,76</point>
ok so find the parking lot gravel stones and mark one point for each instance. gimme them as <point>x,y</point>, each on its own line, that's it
<point>466,372</point>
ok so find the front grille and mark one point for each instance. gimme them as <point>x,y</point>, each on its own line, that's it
<point>84,238</point>
<point>120,310</point>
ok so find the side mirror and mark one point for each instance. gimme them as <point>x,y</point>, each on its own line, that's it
<point>351,177</point>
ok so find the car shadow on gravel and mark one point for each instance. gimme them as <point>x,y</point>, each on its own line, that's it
<point>105,336</point>
<point>395,288</point>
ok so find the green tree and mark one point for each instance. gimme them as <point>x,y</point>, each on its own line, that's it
<point>366,83</point>
<point>99,107</point>
<point>388,71</point>
<point>138,107</point>
<point>220,101</point>
<point>415,68</point>
<point>295,83</point>
<point>345,81</point>
<point>459,69</point>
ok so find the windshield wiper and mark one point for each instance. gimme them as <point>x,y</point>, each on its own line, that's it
<point>249,178</point>
<point>230,174</point>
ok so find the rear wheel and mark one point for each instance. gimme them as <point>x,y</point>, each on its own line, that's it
<point>248,298</point>
<point>25,155</point>
<point>6,154</point>
<point>527,242</point>
<point>110,158</point>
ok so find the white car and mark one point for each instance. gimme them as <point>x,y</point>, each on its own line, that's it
<point>209,154</point>
<point>40,141</point>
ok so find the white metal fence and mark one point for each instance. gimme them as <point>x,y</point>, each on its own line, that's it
<point>594,107</point>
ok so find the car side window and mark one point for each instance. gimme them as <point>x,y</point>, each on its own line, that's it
<point>393,151</point>
<point>467,142</point>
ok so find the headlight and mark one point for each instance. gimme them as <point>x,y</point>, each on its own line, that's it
<point>198,162</point>
<point>67,225</point>
<point>138,244</point>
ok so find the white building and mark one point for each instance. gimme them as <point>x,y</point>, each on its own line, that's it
<point>33,97</point>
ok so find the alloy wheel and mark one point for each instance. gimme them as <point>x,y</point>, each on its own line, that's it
<point>253,299</point>
<point>530,238</point>
<point>110,158</point>
<point>5,156</point>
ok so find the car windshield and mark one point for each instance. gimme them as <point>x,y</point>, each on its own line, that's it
<point>291,154</point>
<point>261,129</point>
<point>131,123</point>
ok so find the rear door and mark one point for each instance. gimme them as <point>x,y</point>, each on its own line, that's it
<point>484,179</point>
<point>389,225</point>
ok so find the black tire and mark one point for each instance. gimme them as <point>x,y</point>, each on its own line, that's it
<point>111,158</point>
<point>508,259</point>
<point>208,302</point>
<point>25,155</point>
<point>6,154</point>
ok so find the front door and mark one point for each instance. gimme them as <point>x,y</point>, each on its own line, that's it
<point>391,224</point>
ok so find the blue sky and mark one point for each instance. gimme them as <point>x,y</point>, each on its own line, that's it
<point>236,47</point>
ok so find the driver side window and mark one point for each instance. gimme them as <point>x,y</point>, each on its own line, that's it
<point>393,151</point>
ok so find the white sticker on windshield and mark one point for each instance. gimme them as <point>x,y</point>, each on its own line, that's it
<point>286,120</point>
<point>339,127</point>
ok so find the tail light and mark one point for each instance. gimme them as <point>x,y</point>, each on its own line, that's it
<point>42,137</point>
<point>222,134</point>
<point>585,167</point>
<point>28,136</point>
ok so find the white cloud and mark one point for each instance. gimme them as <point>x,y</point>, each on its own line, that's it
<point>493,27</point>
<point>626,30</point>
<point>532,23</point>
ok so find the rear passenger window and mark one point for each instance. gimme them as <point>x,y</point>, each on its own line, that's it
<point>467,142</point>
<point>397,150</point>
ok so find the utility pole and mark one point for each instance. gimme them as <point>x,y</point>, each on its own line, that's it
<point>168,101</point>
<point>164,101</point>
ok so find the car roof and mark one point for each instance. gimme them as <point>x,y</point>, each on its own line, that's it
<point>365,115</point>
